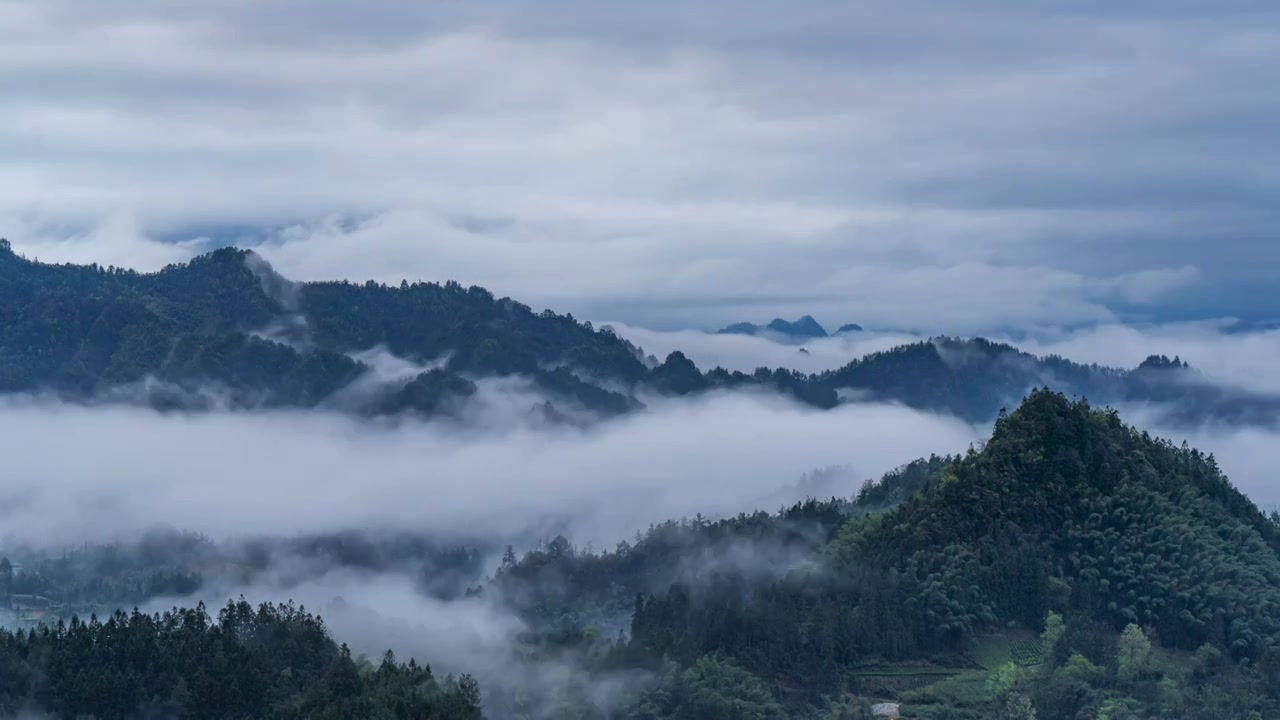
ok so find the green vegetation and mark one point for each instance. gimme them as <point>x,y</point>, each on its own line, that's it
<point>1083,565</point>
<point>1027,653</point>
<point>225,329</point>
<point>274,661</point>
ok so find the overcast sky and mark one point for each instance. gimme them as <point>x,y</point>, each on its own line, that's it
<point>906,165</point>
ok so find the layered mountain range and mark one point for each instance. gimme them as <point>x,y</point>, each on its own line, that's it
<point>225,329</point>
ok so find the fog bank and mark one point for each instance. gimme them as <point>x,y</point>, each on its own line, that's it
<point>77,473</point>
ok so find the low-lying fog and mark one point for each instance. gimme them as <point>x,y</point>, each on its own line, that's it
<point>108,473</point>
<point>75,473</point>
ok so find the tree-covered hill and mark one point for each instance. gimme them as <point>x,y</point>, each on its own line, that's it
<point>1126,528</point>
<point>1143,582</point>
<point>226,329</point>
<point>225,324</point>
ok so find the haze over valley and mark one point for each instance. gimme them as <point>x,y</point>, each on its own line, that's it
<point>563,361</point>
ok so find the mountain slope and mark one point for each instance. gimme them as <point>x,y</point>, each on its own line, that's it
<point>224,324</point>
<point>1128,528</point>
<point>976,378</point>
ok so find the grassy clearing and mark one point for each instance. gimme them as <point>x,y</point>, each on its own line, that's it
<point>960,696</point>
<point>992,651</point>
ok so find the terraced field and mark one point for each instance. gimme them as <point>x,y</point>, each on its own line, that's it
<point>1027,652</point>
<point>1016,646</point>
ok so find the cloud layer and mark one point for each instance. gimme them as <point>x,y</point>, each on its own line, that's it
<point>76,474</point>
<point>1222,350</point>
<point>900,164</point>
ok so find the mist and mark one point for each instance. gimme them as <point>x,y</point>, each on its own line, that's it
<point>98,473</point>
<point>748,352</point>
<point>1248,455</point>
<point>1221,349</point>
<point>378,611</point>
<point>373,612</point>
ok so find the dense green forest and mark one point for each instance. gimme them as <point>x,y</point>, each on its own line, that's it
<point>225,329</point>
<point>273,661</point>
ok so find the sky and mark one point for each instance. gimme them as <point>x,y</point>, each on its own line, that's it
<point>913,166</point>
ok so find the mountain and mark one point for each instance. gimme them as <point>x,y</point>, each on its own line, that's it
<point>803,328</point>
<point>225,321</point>
<point>226,330</point>
<point>976,378</point>
<point>1097,502</point>
<point>741,328</point>
<point>1073,567</point>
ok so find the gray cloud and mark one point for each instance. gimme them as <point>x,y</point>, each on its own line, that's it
<point>748,352</point>
<point>908,165</point>
<point>1220,350</point>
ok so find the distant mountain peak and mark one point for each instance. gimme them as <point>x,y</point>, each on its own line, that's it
<point>849,328</point>
<point>741,328</point>
<point>804,327</point>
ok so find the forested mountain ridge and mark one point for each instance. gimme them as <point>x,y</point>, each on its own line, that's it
<point>226,320</point>
<point>225,328</point>
<point>975,378</point>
